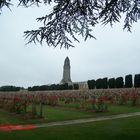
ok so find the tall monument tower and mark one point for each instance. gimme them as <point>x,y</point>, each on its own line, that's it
<point>66,72</point>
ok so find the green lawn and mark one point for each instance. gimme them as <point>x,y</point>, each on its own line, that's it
<point>119,129</point>
<point>60,114</point>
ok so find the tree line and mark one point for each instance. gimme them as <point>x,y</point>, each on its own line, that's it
<point>65,86</point>
<point>101,83</point>
<point>10,88</point>
<point>119,82</point>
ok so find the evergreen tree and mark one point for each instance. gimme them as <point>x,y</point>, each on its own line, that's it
<point>104,83</point>
<point>75,86</point>
<point>91,84</point>
<point>9,88</point>
<point>128,81</point>
<point>99,84</point>
<point>111,83</point>
<point>77,17</point>
<point>137,80</point>
<point>119,82</point>
<point>70,87</point>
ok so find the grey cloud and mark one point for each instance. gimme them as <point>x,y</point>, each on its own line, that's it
<point>114,53</point>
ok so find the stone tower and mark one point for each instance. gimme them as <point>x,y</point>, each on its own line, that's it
<point>66,72</point>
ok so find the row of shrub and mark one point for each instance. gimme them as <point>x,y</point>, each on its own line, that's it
<point>54,87</point>
<point>105,83</point>
<point>10,88</point>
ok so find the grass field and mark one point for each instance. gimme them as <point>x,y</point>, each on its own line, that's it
<point>60,114</point>
<point>119,129</point>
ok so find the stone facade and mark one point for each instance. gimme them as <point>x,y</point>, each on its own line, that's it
<point>66,72</point>
<point>82,85</point>
<point>67,76</point>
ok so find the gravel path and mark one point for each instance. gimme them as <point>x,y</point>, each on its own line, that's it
<point>87,120</point>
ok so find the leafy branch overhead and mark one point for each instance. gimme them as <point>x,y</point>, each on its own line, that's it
<point>70,18</point>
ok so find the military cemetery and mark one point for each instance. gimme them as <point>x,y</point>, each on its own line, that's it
<point>69,70</point>
<point>61,104</point>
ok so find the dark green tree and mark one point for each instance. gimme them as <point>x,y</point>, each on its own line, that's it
<point>128,81</point>
<point>111,83</point>
<point>35,88</point>
<point>64,86</point>
<point>53,87</point>
<point>99,84</point>
<point>119,82</point>
<point>104,83</point>
<point>75,86</point>
<point>70,87</point>
<point>9,88</point>
<point>29,88</point>
<point>137,80</point>
<point>70,18</point>
<point>91,84</point>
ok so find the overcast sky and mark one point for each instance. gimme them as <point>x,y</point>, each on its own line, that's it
<point>115,52</point>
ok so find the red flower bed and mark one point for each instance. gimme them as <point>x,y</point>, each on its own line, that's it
<point>9,127</point>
